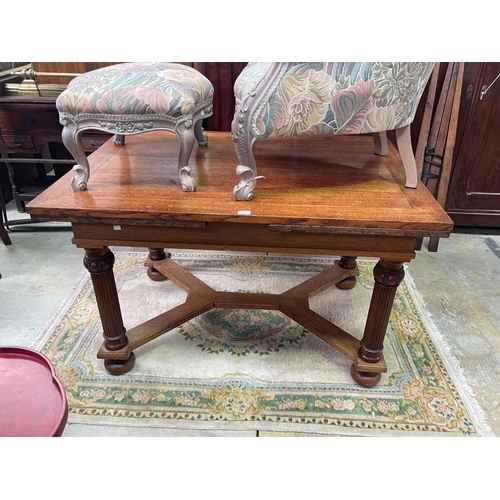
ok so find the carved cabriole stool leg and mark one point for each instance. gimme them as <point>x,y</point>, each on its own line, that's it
<point>156,254</point>
<point>247,168</point>
<point>186,136</point>
<point>99,262</point>
<point>388,275</point>
<point>72,141</point>
<point>200,136</point>
<point>347,263</point>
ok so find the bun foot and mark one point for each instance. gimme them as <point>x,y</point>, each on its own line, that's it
<point>115,367</point>
<point>365,378</point>
<point>155,275</point>
<point>347,284</point>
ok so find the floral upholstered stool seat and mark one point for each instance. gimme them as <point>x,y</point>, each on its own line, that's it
<point>131,98</point>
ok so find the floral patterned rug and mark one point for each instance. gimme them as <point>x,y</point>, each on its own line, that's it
<point>258,370</point>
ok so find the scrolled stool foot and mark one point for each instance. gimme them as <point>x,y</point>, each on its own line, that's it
<point>187,182</point>
<point>79,181</point>
<point>243,191</point>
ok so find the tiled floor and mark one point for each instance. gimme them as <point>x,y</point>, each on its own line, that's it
<point>459,284</point>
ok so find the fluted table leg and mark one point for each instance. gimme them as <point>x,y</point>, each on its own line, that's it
<point>388,276</point>
<point>99,262</point>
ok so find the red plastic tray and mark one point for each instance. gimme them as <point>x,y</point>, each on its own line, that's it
<point>32,399</point>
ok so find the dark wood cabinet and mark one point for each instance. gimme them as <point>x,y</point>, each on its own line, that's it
<point>474,191</point>
<point>26,126</point>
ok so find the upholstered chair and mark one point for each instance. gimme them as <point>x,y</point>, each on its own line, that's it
<point>326,98</point>
<point>131,98</point>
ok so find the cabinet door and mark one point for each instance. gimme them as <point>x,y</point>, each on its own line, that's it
<point>474,195</point>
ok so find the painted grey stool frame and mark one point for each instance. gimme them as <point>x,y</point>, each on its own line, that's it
<point>188,129</point>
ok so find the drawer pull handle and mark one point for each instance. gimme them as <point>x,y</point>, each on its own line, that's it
<point>18,142</point>
<point>28,120</point>
<point>96,144</point>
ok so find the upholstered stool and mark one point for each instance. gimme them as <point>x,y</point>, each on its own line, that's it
<point>131,98</point>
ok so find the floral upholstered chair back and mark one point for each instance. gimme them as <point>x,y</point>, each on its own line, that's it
<point>337,98</point>
<point>323,98</point>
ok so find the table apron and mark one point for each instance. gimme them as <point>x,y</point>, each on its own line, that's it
<point>244,237</point>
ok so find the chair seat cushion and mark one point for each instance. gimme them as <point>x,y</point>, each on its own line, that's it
<point>137,89</point>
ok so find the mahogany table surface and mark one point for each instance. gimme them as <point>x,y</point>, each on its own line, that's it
<point>321,189</point>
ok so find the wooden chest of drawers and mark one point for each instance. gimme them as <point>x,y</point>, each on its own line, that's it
<point>26,125</point>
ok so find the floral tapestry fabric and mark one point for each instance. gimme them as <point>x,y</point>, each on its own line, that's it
<point>337,97</point>
<point>137,89</point>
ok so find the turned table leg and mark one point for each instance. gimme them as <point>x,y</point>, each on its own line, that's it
<point>388,275</point>
<point>99,262</point>
<point>156,254</point>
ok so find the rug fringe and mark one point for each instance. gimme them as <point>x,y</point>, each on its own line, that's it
<point>246,426</point>
<point>447,357</point>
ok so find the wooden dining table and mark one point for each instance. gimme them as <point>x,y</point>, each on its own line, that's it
<point>317,195</point>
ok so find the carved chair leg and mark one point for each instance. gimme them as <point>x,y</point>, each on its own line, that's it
<point>247,168</point>
<point>186,139</point>
<point>156,254</point>
<point>388,275</point>
<point>380,144</point>
<point>403,139</point>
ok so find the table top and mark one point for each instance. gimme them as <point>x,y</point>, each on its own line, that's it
<point>334,183</point>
